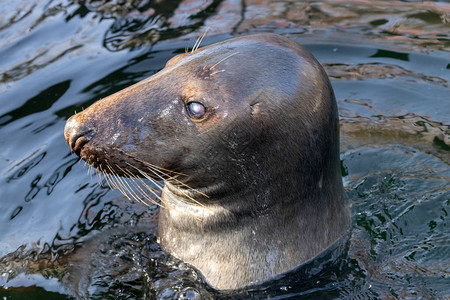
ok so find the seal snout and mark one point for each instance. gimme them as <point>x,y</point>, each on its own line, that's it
<point>76,134</point>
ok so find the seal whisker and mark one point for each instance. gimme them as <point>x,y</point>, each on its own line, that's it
<point>222,60</point>
<point>109,180</point>
<point>106,178</point>
<point>90,171</point>
<point>98,174</point>
<point>149,188</point>
<point>151,179</point>
<point>148,177</point>
<point>195,202</point>
<point>151,191</point>
<point>115,182</point>
<point>160,170</point>
<point>216,72</point>
<point>126,190</point>
<point>99,178</point>
<point>200,38</point>
<point>161,187</point>
<point>111,185</point>
<point>115,185</point>
<point>125,186</point>
<point>127,172</point>
<point>149,164</point>
<point>174,178</point>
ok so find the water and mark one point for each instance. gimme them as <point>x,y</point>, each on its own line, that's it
<point>63,234</point>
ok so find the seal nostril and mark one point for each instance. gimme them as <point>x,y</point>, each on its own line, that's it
<point>77,143</point>
<point>77,135</point>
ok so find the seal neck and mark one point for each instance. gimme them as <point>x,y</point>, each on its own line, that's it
<point>224,206</point>
<point>252,236</point>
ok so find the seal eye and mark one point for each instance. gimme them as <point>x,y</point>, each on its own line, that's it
<point>196,110</point>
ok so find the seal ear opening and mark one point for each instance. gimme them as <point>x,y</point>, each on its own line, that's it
<point>256,108</point>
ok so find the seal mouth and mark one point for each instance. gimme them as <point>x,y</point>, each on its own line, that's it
<point>130,175</point>
<point>117,162</point>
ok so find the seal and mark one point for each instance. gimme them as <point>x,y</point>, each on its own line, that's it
<point>244,134</point>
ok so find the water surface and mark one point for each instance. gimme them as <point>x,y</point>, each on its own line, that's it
<point>62,234</point>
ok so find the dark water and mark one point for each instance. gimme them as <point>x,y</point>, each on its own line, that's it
<point>62,234</point>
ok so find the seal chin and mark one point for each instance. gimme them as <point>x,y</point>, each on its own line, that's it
<point>206,193</point>
<point>184,202</point>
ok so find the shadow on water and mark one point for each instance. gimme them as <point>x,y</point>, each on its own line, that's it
<point>138,23</point>
<point>41,102</point>
<point>63,234</point>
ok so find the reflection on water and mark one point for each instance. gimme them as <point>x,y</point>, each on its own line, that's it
<point>61,233</point>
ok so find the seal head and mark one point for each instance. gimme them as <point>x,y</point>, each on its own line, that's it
<point>252,125</point>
